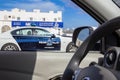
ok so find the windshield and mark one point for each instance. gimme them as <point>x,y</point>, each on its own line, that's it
<point>41,24</point>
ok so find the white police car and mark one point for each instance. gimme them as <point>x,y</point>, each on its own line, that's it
<point>29,38</point>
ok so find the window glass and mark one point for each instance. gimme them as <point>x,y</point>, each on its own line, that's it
<point>53,20</point>
<point>31,18</point>
<point>18,18</point>
<point>26,31</point>
<point>41,32</point>
<point>23,32</point>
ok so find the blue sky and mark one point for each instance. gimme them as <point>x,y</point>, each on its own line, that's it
<point>73,16</point>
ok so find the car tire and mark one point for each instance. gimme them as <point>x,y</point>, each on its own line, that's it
<point>10,47</point>
<point>71,47</point>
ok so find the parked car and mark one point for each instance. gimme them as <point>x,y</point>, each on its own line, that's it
<point>28,39</point>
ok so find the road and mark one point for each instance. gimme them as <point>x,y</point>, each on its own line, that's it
<point>92,56</point>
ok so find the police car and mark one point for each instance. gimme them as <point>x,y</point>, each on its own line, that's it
<point>29,38</point>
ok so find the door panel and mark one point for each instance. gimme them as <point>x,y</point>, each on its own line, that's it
<point>27,42</point>
<point>17,65</point>
<point>33,42</point>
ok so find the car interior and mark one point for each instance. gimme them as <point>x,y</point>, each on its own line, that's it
<point>83,64</point>
<point>110,42</point>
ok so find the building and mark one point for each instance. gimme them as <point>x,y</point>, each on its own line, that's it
<point>19,18</point>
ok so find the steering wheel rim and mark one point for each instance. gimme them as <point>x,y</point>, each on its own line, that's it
<point>102,31</point>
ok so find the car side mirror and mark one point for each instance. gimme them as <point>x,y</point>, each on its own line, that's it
<point>81,33</point>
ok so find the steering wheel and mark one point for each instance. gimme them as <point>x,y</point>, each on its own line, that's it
<point>95,72</point>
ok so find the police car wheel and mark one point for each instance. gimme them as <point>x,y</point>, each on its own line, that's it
<point>10,47</point>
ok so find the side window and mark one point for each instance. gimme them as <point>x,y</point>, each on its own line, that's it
<point>16,33</point>
<point>58,21</point>
<point>23,32</point>
<point>26,31</point>
<point>41,32</point>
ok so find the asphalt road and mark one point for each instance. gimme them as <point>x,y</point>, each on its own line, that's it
<point>91,57</point>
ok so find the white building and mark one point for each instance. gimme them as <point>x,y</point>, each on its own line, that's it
<point>19,18</point>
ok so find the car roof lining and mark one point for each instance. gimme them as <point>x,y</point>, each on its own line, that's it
<point>90,11</point>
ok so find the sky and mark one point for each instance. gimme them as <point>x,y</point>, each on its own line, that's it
<point>72,15</point>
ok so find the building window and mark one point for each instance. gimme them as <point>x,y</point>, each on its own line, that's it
<point>55,19</point>
<point>5,17</point>
<point>13,17</point>
<point>59,18</point>
<point>9,16</point>
<point>18,18</point>
<point>43,19</point>
<point>31,18</point>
